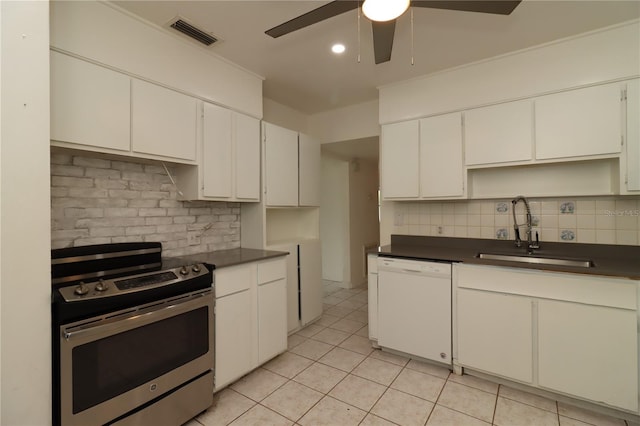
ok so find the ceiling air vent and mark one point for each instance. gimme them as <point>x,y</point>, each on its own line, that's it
<point>193,32</point>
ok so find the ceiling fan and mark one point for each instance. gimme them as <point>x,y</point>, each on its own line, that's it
<point>383,31</point>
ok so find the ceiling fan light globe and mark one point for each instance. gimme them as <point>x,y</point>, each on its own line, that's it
<point>384,10</point>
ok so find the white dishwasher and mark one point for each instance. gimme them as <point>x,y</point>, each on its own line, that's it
<point>414,307</point>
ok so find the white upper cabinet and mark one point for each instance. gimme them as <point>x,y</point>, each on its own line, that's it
<point>309,171</point>
<point>90,105</point>
<point>633,135</point>
<point>579,122</point>
<point>499,133</point>
<point>400,160</point>
<point>292,168</point>
<point>217,152</point>
<point>441,172</point>
<point>230,155</point>
<point>247,159</point>
<point>163,121</point>
<point>281,165</point>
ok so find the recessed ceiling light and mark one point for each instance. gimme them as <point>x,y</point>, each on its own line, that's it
<point>338,48</point>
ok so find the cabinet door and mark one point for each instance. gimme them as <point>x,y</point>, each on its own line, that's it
<point>311,292</point>
<point>414,314</point>
<point>494,333</point>
<point>281,164</point>
<point>498,133</point>
<point>233,337</point>
<point>441,156</point>
<point>372,286</point>
<point>579,122</point>
<point>90,105</point>
<point>293,301</point>
<point>217,152</point>
<point>309,171</point>
<point>163,121</point>
<point>272,319</point>
<point>589,351</point>
<point>247,161</point>
<point>633,135</point>
<point>400,160</point>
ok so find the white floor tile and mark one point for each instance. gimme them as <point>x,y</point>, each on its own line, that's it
<point>403,409</point>
<point>331,412</point>
<point>470,401</point>
<point>359,392</point>
<point>513,413</point>
<point>292,400</point>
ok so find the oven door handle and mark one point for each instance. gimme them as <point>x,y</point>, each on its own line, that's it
<point>142,317</point>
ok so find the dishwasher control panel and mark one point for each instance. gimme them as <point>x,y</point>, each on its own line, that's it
<point>415,266</point>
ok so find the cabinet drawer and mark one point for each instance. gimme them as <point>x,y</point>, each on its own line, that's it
<point>233,279</point>
<point>271,270</point>
<point>581,288</point>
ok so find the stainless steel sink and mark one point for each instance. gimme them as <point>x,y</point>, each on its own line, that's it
<point>581,263</point>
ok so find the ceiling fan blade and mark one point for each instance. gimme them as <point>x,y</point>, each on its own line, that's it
<point>500,7</point>
<point>383,33</point>
<point>327,11</point>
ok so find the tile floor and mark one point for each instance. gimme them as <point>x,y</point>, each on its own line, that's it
<point>331,375</point>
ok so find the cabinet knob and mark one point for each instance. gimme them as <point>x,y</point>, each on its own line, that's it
<point>443,355</point>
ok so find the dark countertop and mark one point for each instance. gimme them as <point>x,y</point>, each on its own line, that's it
<point>223,258</point>
<point>609,260</point>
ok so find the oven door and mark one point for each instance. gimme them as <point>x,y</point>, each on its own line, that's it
<point>114,364</point>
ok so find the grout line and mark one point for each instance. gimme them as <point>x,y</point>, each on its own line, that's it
<point>495,406</point>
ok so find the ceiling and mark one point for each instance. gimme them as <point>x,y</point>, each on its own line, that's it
<point>302,73</point>
<point>365,149</point>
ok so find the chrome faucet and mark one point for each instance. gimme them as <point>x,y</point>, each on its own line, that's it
<point>530,244</point>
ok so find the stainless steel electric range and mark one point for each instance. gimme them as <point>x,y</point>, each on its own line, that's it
<point>133,336</point>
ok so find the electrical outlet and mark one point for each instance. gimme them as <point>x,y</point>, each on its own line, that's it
<point>439,230</point>
<point>193,239</point>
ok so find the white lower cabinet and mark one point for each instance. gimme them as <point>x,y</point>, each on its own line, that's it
<point>310,287</point>
<point>233,338</point>
<point>585,351</point>
<point>304,282</point>
<point>250,320</point>
<point>575,334</point>
<point>372,284</point>
<point>272,310</point>
<point>495,333</point>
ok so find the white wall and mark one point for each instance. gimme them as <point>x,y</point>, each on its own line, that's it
<point>348,123</point>
<point>284,116</point>
<point>24,243</point>
<point>334,218</point>
<point>363,215</point>
<point>598,56</point>
<point>107,35</point>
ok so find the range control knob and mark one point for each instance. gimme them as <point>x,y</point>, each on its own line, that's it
<point>81,289</point>
<point>195,269</point>
<point>184,270</point>
<point>102,286</point>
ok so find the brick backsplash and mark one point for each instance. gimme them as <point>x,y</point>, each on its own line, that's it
<point>601,220</point>
<point>98,201</point>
